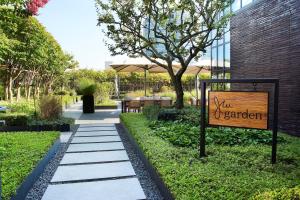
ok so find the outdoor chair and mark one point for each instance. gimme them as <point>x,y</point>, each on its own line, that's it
<point>134,105</point>
<point>165,102</point>
<point>148,102</point>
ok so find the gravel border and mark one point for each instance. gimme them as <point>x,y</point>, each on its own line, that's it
<point>40,186</point>
<point>151,190</point>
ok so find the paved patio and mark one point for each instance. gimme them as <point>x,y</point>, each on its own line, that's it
<point>95,165</point>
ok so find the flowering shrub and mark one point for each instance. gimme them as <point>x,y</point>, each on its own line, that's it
<point>34,5</point>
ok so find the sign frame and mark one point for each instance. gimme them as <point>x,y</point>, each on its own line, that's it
<point>274,119</point>
<point>239,91</point>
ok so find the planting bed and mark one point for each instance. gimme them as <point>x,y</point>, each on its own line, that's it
<point>20,153</point>
<point>232,170</point>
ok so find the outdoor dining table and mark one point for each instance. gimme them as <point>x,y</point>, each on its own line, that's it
<point>143,102</point>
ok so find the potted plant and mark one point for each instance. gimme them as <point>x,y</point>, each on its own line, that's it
<point>87,89</point>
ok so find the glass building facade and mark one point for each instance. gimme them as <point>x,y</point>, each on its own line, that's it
<point>219,52</point>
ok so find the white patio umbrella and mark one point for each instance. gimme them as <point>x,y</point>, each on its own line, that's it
<point>141,64</point>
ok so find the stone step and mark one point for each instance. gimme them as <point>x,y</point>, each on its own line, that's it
<point>96,139</point>
<point>95,147</point>
<point>122,189</point>
<point>85,129</point>
<point>92,172</point>
<point>96,125</point>
<point>94,157</point>
<point>95,133</point>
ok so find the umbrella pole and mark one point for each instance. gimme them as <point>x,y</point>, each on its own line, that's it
<point>145,81</point>
<point>196,83</point>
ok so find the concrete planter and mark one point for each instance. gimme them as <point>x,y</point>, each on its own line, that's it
<point>61,128</point>
<point>88,104</point>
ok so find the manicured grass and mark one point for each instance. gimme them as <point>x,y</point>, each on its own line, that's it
<point>19,154</point>
<point>229,172</point>
<point>108,102</point>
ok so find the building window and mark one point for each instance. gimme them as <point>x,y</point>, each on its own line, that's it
<point>220,51</point>
<point>236,5</point>
<point>227,55</point>
<point>246,2</point>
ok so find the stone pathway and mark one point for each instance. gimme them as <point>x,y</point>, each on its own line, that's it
<point>95,166</point>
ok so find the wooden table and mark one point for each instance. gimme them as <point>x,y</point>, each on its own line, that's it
<point>125,103</point>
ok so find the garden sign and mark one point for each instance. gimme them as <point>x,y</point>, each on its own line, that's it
<point>243,109</point>
<point>238,109</point>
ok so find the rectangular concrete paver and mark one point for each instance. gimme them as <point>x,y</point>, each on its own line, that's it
<point>96,139</point>
<point>95,147</point>
<point>93,171</point>
<point>112,128</point>
<point>93,157</point>
<point>95,133</point>
<point>65,136</point>
<point>123,189</point>
<point>96,125</point>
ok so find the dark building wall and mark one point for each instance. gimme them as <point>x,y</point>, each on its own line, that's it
<point>265,43</point>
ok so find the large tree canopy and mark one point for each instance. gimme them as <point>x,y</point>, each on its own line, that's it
<point>171,30</point>
<point>29,55</point>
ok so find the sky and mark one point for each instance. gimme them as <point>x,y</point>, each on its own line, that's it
<point>73,23</point>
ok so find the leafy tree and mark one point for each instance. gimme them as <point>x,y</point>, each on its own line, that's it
<point>164,31</point>
<point>29,55</point>
<point>28,7</point>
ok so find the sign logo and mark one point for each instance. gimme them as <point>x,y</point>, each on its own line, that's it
<point>238,109</point>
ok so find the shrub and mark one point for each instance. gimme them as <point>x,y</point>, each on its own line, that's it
<point>190,115</point>
<point>168,114</point>
<point>59,121</point>
<point>50,107</point>
<point>61,93</point>
<point>86,87</point>
<point>165,89</point>
<point>104,91</point>
<point>15,119</point>
<point>186,135</point>
<point>19,107</point>
<point>281,194</point>
<point>151,112</point>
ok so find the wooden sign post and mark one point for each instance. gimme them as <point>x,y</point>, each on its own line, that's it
<point>244,109</point>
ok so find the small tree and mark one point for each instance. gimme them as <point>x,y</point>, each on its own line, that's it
<point>170,30</point>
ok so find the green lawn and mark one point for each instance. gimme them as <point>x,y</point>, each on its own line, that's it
<point>229,171</point>
<point>19,154</point>
<point>107,102</point>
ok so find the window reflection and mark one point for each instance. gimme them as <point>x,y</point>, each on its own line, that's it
<point>227,55</point>
<point>246,2</point>
<point>220,56</point>
<point>236,5</point>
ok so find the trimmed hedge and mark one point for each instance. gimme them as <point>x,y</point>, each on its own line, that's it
<point>229,172</point>
<point>15,119</point>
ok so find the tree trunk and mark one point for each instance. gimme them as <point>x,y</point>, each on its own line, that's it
<point>18,93</point>
<point>6,92</point>
<point>179,92</point>
<point>10,89</point>
<point>28,92</point>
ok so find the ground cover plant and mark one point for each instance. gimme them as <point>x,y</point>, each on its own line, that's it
<point>230,171</point>
<point>19,154</point>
